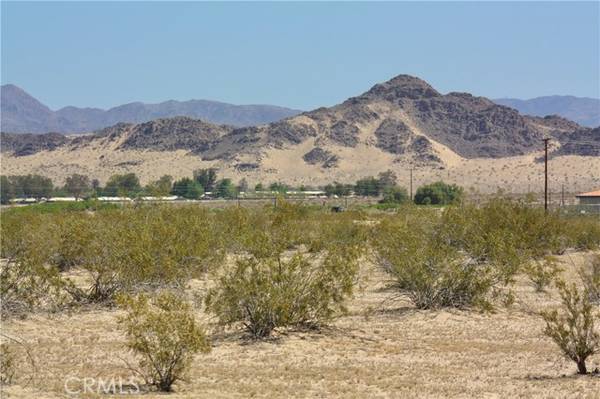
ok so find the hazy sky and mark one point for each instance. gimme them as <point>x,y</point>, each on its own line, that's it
<point>300,55</point>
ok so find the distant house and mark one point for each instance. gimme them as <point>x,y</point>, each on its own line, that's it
<point>591,198</point>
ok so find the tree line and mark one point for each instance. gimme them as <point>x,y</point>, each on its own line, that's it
<point>207,181</point>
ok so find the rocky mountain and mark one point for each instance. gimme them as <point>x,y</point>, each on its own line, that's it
<point>21,145</point>
<point>399,124</point>
<point>584,111</point>
<point>404,116</point>
<point>166,134</point>
<point>585,142</point>
<point>22,113</point>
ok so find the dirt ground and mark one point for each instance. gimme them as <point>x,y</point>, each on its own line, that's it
<point>382,349</point>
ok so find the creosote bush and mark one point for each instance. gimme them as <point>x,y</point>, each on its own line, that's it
<point>164,335</point>
<point>290,270</point>
<point>590,277</point>
<point>431,273</point>
<point>542,272</point>
<point>28,281</point>
<point>120,250</point>
<point>508,235</point>
<point>573,328</point>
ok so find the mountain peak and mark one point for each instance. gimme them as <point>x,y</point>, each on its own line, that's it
<point>12,87</point>
<point>402,86</point>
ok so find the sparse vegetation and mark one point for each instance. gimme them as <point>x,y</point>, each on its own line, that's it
<point>439,193</point>
<point>163,333</point>
<point>289,272</point>
<point>429,271</point>
<point>573,329</point>
<point>590,277</point>
<point>543,272</point>
<point>281,270</point>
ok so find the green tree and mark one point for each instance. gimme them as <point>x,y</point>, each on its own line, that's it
<point>338,189</point>
<point>225,189</point>
<point>77,185</point>
<point>187,188</point>
<point>35,186</point>
<point>6,190</point>
<point>387,179</point>
<point>127,184</point>
<point>206,178</point>
<point>367,187</point>
<point>395,195</point>
<point>96,187</point>
<point>439,193</point>
<point>160,187</point>
<point>259,187</point>
<point>279,187</point>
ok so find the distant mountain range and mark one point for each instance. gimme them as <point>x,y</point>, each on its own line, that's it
<point>22,113</point>
<point>585,111</point>
<point>399,124</point>
<point>403,117</point>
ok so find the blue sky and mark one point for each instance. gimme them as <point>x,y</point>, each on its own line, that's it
<point>300,55</point>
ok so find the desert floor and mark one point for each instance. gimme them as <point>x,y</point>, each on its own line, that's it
<point>520,174</point>
<point>382,348</point>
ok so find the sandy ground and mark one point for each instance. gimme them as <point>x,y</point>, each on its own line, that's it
<point>381,349</point>
<point>514,175</point>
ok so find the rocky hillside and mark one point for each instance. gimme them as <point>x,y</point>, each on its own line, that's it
<point>167,134</point>
<point>401,124</point>
<point>584,142</point>
<point>404,117</point>
<point>22,113</point>
<point>21,145</point>
<point>585,111</point>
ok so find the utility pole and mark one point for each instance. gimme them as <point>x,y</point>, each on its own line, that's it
<point>546,174</point>
<point>562,195</point>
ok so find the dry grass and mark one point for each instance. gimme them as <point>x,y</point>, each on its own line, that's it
<point>382,348</point>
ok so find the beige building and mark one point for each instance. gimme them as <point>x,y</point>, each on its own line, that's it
<point>591,198</point>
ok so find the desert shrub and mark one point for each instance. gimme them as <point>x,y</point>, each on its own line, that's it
<point>149,247</point>
<point>590,277</point>
<point>124,249</point>
<point>394,195</point>
<point>439,193</point>
<point>583,232</point>
<point>542,272</point>
<point>164,335</point>
<point>290,271</point>
<point>486,235</point>
<point>7,364</point>
<point>73,235</point>
<point>508,235</point>
<point>573,328</point>
<point>27,280</point>
<point>427,270</point>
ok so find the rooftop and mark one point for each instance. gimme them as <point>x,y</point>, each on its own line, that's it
<point>590,194</point>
